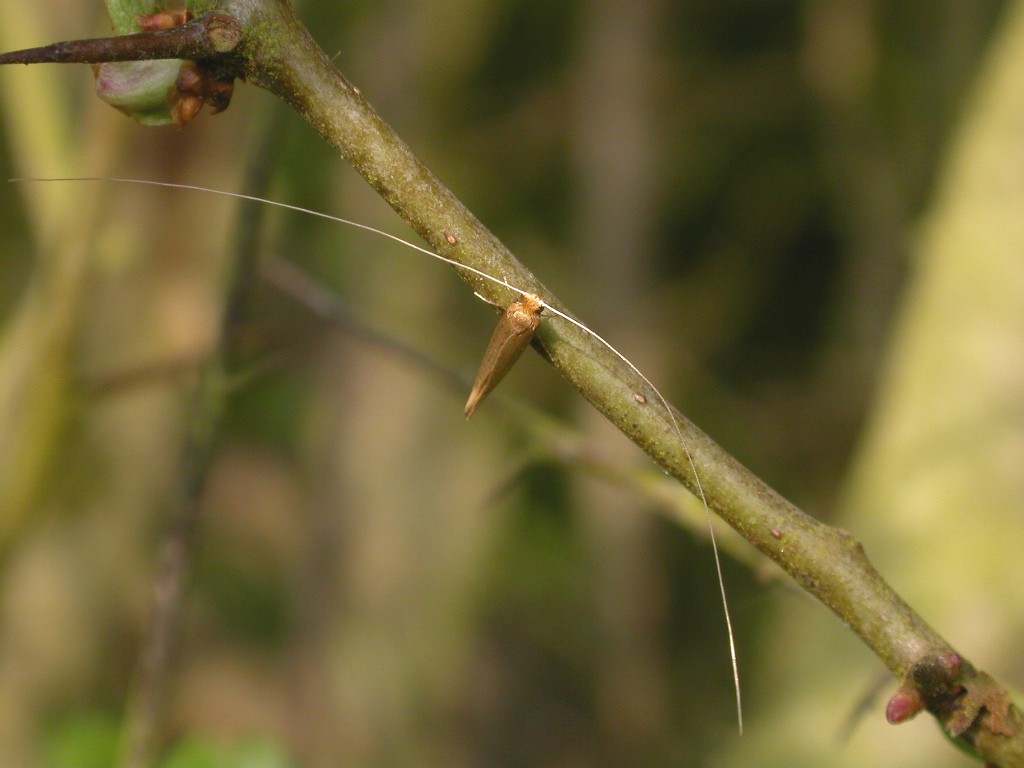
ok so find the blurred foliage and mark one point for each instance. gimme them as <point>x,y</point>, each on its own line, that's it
<point>90,740</point>
<point>198,753</point>
<point>728,191</point>
<point>86,740</point>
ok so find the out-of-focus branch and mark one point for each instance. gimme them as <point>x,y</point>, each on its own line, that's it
<point>143,716</point>
<point>549,439</point>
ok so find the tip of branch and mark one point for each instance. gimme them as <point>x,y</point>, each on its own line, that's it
<point>204,38</point>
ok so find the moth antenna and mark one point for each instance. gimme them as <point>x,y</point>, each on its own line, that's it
<point>703,498</point>
<point>514,289</point>
<point>484,299</point>
<point>290,207</point>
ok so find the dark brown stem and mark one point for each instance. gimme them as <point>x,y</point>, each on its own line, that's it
<point>204,38</point>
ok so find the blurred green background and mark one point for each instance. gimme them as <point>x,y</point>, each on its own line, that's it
<point>802,220</point>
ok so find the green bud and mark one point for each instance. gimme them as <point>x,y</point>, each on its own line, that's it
<point>140,89</point>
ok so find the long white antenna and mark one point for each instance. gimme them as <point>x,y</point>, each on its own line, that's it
<point>547,307</point>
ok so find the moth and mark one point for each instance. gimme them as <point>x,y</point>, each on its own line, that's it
<point>512,335</point>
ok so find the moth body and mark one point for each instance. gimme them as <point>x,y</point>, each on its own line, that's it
<point>511,336</point>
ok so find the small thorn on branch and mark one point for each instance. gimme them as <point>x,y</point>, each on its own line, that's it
<point>204,38</point>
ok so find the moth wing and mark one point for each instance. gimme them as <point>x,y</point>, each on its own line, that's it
<point>511,336</point>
